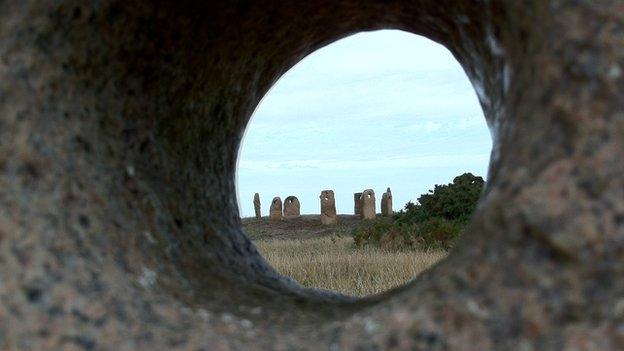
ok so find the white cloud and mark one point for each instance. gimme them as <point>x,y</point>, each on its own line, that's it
<point>416,162</point>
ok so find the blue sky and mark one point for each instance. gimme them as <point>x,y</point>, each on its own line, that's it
<point>374,110</point>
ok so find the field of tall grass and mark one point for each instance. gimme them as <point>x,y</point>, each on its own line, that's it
<point>335,263</point>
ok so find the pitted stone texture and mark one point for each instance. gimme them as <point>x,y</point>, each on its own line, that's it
<point>357,204</point>
<point>328,207</point>
<point>120,123</point>
<point>368,205</point>
<point>386,204</point>
<point>292,208</point>
<point>257,209</point>
<point>275,212</point>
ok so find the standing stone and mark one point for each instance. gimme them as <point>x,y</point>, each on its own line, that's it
<point>292,207</point>
<point>386,204</point>
<point>328,207</point>
<point>257,205</point>
<point>368,204</point>
<point>357,204</point>
<point>275,213</point>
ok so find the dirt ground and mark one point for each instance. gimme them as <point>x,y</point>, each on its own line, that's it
<point>305,227</point>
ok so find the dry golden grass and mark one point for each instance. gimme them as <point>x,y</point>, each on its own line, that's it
<point>336,264</point>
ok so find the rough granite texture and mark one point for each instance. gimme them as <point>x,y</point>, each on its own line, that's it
<point>367,202</point>
<point>357,204</point>
<point>275,212</point>
<point>257,208</point>
<point>120,123</point>
<point>328,207</point>
<point>292,207</point>
<point>386,203</point>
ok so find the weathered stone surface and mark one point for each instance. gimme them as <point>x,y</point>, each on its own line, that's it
<point>292,208</point>
<point>120,123</point>
<point>357,204</point>
<point>275,212</point>
<point>328,207</point>
<point>368,205</point>
<point>386,204</point>
<point>256,202</point>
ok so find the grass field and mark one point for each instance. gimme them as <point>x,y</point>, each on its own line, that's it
<point>325,256</point>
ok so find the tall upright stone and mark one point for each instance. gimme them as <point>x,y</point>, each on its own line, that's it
<point>386,204</point>
<point>368,204</point>
<point>292,208</point>
<point>275,213</point>
<point>256,202</point>
<point>357,204</point>
<point>328,207</point>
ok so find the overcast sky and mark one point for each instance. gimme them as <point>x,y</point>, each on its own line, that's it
<point>374,110</point>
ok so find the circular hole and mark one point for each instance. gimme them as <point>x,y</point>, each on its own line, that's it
<point>403,87</point>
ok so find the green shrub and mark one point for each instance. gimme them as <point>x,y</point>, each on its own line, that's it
<point>372,232</point>
<point>430,234</point>
<point>436,233</point>
<point>453,201</point>
<point>435,222</point>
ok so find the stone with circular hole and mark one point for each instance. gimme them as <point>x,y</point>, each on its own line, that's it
<point>90,89</point>
<point>292,207</point>
<point>368,205</point>
<point>328,207</point>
